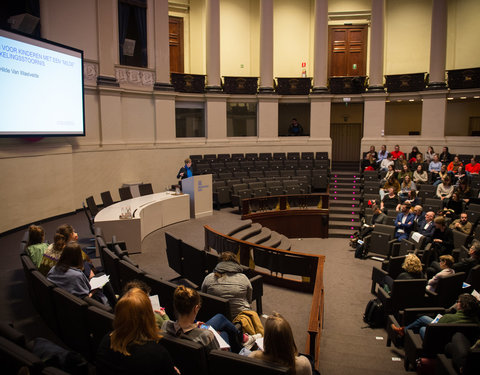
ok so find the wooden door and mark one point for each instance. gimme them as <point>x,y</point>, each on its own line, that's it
<point>347,51</point>
<point>346,140</point>
<point>175,28</point>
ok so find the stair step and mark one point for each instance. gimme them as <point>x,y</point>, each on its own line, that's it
<point>340,233</point>
<point>343,217</point>
<point>344,189</point>
<point>284,244</point>
<point>340,203</point>
<point>261,237</point>
<point>274,240</point>
<point>342,209</point>
<point>342,225</point>
<point>344,196</point>
<point>246,233</point>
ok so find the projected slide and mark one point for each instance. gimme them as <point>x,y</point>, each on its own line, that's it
<point>41,87</point>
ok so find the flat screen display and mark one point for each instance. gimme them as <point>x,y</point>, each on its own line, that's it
<point>41,88</point>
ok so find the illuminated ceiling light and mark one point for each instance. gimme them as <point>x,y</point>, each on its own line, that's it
<point>399,100</point>
<point>463,97</point>
<point>449,98</point>
<point>476,97</point>
<point>411,100</point>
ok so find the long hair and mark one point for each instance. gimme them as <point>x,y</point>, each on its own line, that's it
<point>185,299</point>
<point>36,234</point>
<point>71,257</point>
<point>62,236</point>
<point>278,342</point>
<point>134,322</point>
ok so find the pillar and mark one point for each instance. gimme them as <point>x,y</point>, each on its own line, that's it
<point>320,48</point>
<point>266,46</point>
<point>376,46</point>
<point>162,46</point>
<point>213,46</point>
<point>107,42</point>
<point>438,45</point>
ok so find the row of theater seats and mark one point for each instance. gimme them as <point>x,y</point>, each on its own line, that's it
<point>82,323</point>
<point>408,300</point>
<point>252,156</point>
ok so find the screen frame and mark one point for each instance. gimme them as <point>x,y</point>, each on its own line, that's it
<point>58,47</point>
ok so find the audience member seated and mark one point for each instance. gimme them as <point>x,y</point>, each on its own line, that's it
<point>462,224</point>
<point>459,175</point>
<point>406,187</point>
<point>404,172</point>
<point>134,346</point>
<point>36,245</point>
<point>442,238</point>
<point>464,191</point>
<point>160,315</point>
<point>399,163</point>
<point>390,201</point>
<point>228,281</point>
<point>454,164</point>
<point>382,154</point>
<point>413,154</point>
<point>403,223</point>
<point>415,162</point>
<point>446,264</point>
<point>396,153</point>
<point>392,182</point>
<point>387,165</point>
<point>429,154</point>
<point>420,176</point>
<point>418,217</point>
<point>187,302</point>
<point>373,152</point>
<point>412,199</point>
<point>412,267</point>
<point>467,313</point>
<point>473,259</point>
<point>64,234</point>
<point>279,347</point>
<point>473,167</point>
<point>458,350</point>
<point>369,163</point>
<point>445,189</point>
<point>445,156</point>
<point>454,205</point>
<point>434,167</point>
<point>68,274</point>
<point>427,227</point>
<point>441,175</point>
<point>378,217</point>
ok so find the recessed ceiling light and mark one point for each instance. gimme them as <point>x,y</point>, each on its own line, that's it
<point>463,97</point>
<point>411,100</point>
<point>450,98</point>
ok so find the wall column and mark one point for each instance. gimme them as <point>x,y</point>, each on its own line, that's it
<point>376,46</point>
<point>107,42</point>
<point>213,46</point>
<point>320,53</point>
<point>434,108</point>
<point>162,46</point>
<point>266,46</point>
<point>438,45</point>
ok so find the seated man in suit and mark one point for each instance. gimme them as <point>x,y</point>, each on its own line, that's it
<point>403,223</point>
<point>427,227</point>
<point>419,217</point>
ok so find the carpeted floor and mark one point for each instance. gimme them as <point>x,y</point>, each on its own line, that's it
<point>347,346</point>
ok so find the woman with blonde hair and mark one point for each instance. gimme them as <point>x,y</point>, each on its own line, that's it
<point>279,347</point>
<point>412,267</point>
<point>134,346</point>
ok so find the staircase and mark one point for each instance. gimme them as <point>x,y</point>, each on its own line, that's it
<point>344,200</point>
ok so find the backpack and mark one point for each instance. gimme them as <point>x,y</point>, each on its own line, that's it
<point>374,314</point>
<point>360,250</point>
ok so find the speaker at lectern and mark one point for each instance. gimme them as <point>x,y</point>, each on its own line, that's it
<point>200,190</point>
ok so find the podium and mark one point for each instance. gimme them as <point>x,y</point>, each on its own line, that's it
<point>200,190</point>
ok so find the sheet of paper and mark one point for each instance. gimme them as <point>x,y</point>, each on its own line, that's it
<point>416,236</point>
<point>437,318</point>
<point>223,344</point>
<point>259,342</point>
<point>476,294</point>
<point>155,302</point>
<point>99,281</point>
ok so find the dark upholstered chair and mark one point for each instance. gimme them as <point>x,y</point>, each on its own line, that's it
<point>436,337</point>
<point>164,290</point>
<point>174,253</point>
<point>194,263</point>
<point>100,322</point>
<point>445,365</point>
<point>13,357</point>
<point>212,305</point>
<point>378,243</point>
<point>110,266</point>
<point>92,206</point>
<point>128,272</point>
<point>405,293</point>
<point>42,288</point>
<point>125,193</point>
<point>392,268</point>
<point>190,357</point>
<point>221,362</point>
<point>71,313</point>
<point>473,277</point>
<point>145,189</point>
<point>106,198</point>
<point>447,290</point>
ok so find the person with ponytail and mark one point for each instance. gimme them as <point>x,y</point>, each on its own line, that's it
<point>187,302</point>
<point>279,347</point>
<point>64,234</point>
<point>134,346</point>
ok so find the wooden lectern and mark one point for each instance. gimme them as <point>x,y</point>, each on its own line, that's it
<point>200,190</point>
